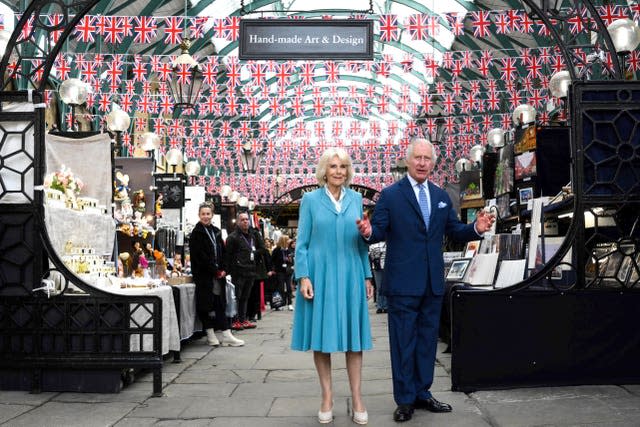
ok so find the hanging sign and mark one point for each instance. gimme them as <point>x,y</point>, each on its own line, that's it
<point>306,39</point>
<point>171,188</point>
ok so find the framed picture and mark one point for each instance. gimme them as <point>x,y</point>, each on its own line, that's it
<point>458,269</point>
<point>471,248</point>
<point>503,201</point>
<point>470,185</point>
<point>525,165</point>
<point>525,194</point>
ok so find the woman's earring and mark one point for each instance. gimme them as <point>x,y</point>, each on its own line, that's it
<point>324,178</point>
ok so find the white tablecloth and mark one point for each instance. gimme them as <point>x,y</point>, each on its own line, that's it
<point>170,330</point>
<point>189,321</point>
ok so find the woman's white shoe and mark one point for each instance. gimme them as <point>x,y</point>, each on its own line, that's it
<point>361,418</point>
<point>228,340</point>
<point>212,340</point>
<point>325,417</point>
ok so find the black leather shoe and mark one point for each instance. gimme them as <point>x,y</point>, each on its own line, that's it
<point>403,413</point>
<point>431,404</point>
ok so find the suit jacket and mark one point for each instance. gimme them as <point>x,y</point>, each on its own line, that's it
<point>414,255</point>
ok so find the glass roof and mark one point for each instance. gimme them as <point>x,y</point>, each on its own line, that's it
<point>470,63</point>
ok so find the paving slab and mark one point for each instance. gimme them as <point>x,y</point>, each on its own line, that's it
<point>212,391</point>
<point>9,411</point>
<point>73,414</point>
<point>229,407</point>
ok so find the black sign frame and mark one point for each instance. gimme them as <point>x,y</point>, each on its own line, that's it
<point>171,186</point>
<point>305,39</point>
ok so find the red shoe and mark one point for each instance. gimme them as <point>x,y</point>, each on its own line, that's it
<point>237,326</point>
<point>248,325</point>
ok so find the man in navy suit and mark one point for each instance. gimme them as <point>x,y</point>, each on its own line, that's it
<point>413,216</point>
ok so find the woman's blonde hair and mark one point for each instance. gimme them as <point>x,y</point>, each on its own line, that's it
<point>283,241</point>
<point>325,158</point>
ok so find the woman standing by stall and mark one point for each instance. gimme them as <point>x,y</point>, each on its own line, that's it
<point>206,249</point>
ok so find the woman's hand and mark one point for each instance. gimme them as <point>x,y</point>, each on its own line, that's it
<point>369,286</point>
<point>306,289</point>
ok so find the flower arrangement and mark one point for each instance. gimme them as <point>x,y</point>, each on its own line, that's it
<point>64,180</point>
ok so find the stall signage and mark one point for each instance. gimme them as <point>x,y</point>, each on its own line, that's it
<point>306,39</point>
<point>171,187</point>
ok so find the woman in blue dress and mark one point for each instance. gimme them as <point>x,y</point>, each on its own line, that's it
<point>333,273</point>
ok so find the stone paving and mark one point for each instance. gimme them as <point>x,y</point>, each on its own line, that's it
<point>267,384</point>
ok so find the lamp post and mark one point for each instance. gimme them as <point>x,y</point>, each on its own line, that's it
<point>398,170</point>
<point>173,158</point>
<point>279,180</point>
<point>187,78</point>
<point>73,92</point>
<point>524,114</point>
<point>117,122</point>
<point>150,142</point>
<point>463,165</point>
<point>250,158</point>
<point>625,35</point>
<point>495,138</point>
<point>475,154</point>
<point>559,86</point>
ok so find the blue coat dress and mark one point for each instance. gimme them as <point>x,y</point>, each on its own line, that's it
<point>331,253</point>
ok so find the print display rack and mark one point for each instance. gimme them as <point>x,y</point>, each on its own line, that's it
<point>539,333</point>
<point>582,332</point>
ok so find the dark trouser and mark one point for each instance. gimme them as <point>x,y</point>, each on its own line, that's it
<point>216,319</point>
<point>284,286</point>
<point>243,286</point>
<point>413,337</point>
<point>381,299</point>
<point>253,306</point>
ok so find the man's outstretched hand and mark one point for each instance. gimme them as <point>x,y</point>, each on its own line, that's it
<point>364,226</point>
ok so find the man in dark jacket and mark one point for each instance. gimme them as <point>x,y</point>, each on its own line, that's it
<point>243,247</point>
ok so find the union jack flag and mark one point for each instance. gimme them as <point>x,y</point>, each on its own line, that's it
<point>231,28</point>
<point>197,25</point>
<point>63,67</point>
<point>306,73</point>
<point>456,23</point>
<point>509,70</point>
<point>113,31</point>
<point>55,20</point>
<point>481,23</point>
<point>417,25</point>
<point>389,30</point>
<point>85,29</point>
<point>333,72</point>
<point>145,29</point>
<point>173,30</point>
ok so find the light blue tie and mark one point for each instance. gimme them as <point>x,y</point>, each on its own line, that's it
<point>424,204</point>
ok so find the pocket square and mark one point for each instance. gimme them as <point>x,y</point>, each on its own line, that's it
<point>442,205</point>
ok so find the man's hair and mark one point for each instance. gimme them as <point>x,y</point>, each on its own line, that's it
<point>416,141</point>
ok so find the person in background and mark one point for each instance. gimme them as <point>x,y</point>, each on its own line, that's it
<point>292,283</point>
<point>333,274</point>
<point>377,253</point>
<point>243,246</point>
<point>281,260</point>
<point>206,250</point>
<point>413,215</point>
<point>263,273</point>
